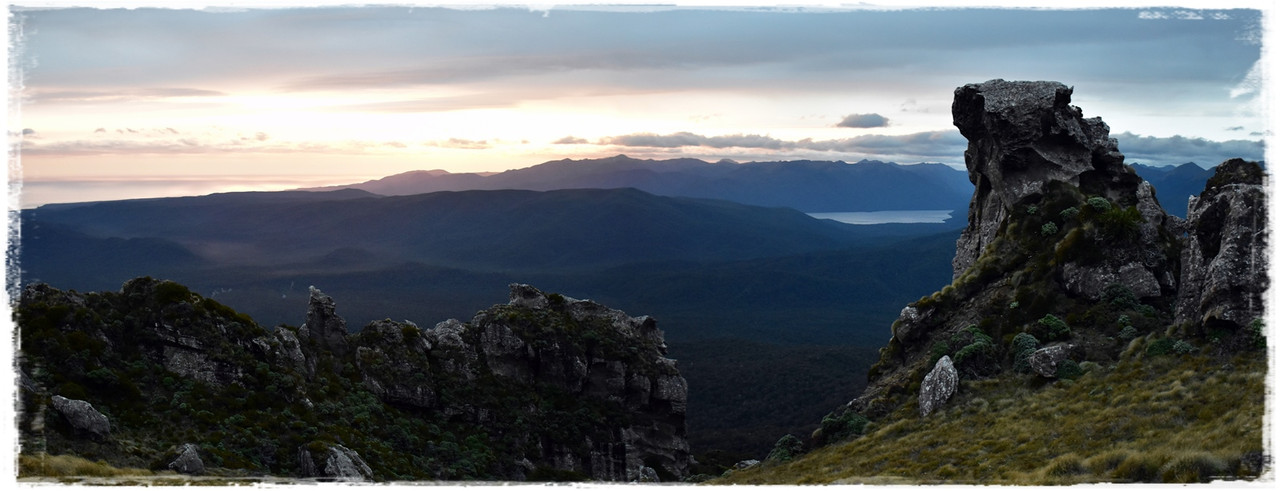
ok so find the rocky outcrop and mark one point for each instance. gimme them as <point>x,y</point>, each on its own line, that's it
<point>938,386</point>
<point>332,462</point>
<point>1060,228</point>
<point>83,418</point>
<point>535,343</point>
<point>188,460</point>
<point>323,326</point>
<point>1025,135</point>
<point>1224,262</point>
<point>541,387</point>
<point>1044,361</point>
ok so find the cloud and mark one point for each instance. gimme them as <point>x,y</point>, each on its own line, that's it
<point>871,120</point>
<point>1179,149</point>
<point>113,96</point>
<point>461,143</point>
<point>931,144</point>
<point>28,132</point>
<point>570,140</point>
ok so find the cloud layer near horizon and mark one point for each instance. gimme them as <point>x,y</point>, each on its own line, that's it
<point>408,81</point>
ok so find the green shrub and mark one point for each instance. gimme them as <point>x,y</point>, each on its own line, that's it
<point>1049,229</point>
<point>1182,347</point>
<point>940,349</point>
<point>1160,347</point>
<point>1124,321</point>
<point>1128,333</point>
<point>1258,334</point>
<point>1121,223</point>
<point>788,447</point>
<point>168,292</point>
<point>1069,214</point>
<point>847,424</point>
<point>1099,204</point>
<point>1033,209</point>
<point>1055,328</point>
<point>1069,370</point>
<point>1022,346</point>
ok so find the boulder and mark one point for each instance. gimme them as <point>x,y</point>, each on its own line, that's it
<point>938,386</point>
<point>188,461</point>
<point>82,417</point>
<point>1044,361</point>
<point>332,461</point>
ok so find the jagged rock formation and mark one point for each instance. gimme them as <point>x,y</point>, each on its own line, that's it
<point>938,386</point>
<point>618,361</point>
<point>1224,263</point>
<point>82,417</point>
<point>544,387</point>
<point>1025,135</point>
<point>332,461</point>
<point>188,460</point>
<point>1066,244</point>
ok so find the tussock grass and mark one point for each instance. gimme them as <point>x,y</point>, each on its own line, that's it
<point>59,466</point>
<point>1164,419</point>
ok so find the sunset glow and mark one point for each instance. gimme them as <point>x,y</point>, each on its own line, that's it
<point>270,98</point>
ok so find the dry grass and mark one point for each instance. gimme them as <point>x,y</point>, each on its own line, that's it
<point>1188,419</point>
<point>68,466</point>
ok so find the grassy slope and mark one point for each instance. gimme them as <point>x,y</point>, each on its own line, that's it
<point>1163,419</point>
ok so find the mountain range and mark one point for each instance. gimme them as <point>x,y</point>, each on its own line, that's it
<point>715,273</point>
<point>805,185</point>
<point>808,186</point>
<point>717,251</point>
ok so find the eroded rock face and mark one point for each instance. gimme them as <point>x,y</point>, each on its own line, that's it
<point>332,461</point>
<point>1224,261</point>
<point>579,349</point>
<point>82,417</point>
<point>324,326</point>
<point>188,461</point>
<point>1021,136</point>
<point>1056,218</point>
<point>938,386</point>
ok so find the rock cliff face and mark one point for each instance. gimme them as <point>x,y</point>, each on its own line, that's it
<point>1224,263</point>
<point>544,387</point>
<point>1067,245</point>
<point>575,348</point>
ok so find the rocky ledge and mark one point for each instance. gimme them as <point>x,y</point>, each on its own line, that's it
<point>544,387</point>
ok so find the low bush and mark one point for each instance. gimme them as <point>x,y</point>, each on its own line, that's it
<point>788,447</point>
<point>1055,329</point>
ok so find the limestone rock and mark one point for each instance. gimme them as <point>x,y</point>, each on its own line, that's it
<point>1044,361</point>
<point>745,464</point>
<point>647,474</point>
<point>324,326</point>
<point>332,461</point>
<point>938,386</point>
<point>1224,261</point>
<point>188,461</point>
<point>82,417</point>
<point>1021,136</point>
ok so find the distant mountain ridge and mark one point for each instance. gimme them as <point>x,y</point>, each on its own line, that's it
<point>806,185</point>
<point>483,230</point>
<point>1175,184</point>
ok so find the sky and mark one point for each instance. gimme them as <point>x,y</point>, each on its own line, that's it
<point>112,103</point>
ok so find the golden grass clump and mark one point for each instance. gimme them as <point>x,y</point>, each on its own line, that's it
<point>43,465</point>
<point>1163,419</point>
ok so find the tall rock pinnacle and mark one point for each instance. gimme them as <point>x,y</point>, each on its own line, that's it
<point>1021,136</point>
